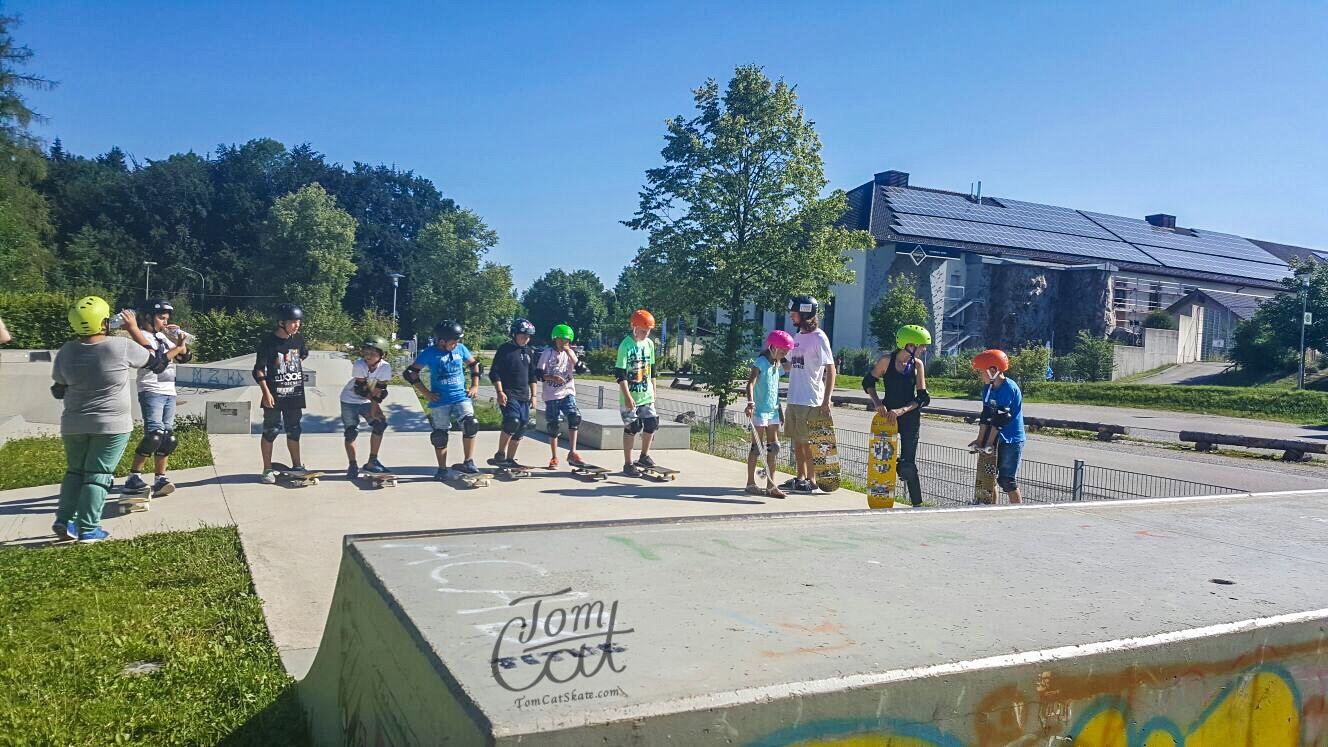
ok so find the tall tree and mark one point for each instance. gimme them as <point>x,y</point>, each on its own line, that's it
<point>576,299</point>
<point>25,259</point>
<point>735,216</point>
<point>449,278</point>
<point>1269,342</point>
<point>897,306</point>
<point>308,243</point>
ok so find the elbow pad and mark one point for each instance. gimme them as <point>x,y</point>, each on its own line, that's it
<point>411,375</point>
<point>380,392</point>
<point>923,399</point>
<point>361,388</point>
<point>158,362</point>
<point>58,390</point>
<point>1001,417</point>
<point>184,357</point>
<point>869,383</point>
<point>620,374</point>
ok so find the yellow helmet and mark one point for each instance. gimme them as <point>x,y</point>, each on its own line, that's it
<point>88,315</point>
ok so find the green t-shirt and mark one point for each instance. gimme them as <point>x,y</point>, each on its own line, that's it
<point>638,360</point>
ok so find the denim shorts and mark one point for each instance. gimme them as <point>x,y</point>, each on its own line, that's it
<point>1007,458</point>
<point>441,415</point>
<point>555,410</point>
<point>158,411</point>
<point>640,412</point>
<point>351,413</point>
<point>516,409</point>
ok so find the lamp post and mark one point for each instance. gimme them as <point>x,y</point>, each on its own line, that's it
<point>1304,320</point>
<point>202,293</point>
<point>396,280</point>
<point>147,277</point>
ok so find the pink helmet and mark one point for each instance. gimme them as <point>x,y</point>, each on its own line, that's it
<point>779,339</point>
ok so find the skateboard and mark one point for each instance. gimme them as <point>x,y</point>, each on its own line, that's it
<point>379,479</point>
<point>760,458</point>
<point>825,452</point>
<point>882,463</point>
<point>518,472</point>
<point>476,480</point>
<point>296,479</point>
<point>657,473</point>
<point>590,472</point>
<point>135,501</point>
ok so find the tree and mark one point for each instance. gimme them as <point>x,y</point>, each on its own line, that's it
<point>1093,358</point>
<point>449,280</point>
<point>735,216</point>
<point>1269,342</point>
<point>25,228</point>
<point>576,299</point>
<point>1159,319</point>
<point>307,246</point>
<point>899,305</point>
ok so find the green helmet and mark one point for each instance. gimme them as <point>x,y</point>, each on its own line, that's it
<point>377,343</point>
<point>912,334</point>
<point>562,331</point>
<point>88,314</point>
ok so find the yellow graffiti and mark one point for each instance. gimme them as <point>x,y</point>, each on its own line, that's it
<point>1109,728</point>
<point>867,741</point>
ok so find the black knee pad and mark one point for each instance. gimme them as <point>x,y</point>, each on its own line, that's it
<point>168,444</point>
<point>650,424</point>
<point>512,426</point>
<point>633,427</point>
<point>469,426</point>
<point>1007,483</point>
<point>772,449</point>
<point>351,432</point>
<point>271,432</point>
<point>378,427</point>
<point>102,481</point>
<point>150,444</point>
<point>438,438</point>
<point>293,433</point>
<point>573,421</point>
<point>551,427</point>
<point>754,450</point>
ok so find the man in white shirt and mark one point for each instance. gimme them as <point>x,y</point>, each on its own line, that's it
<point>811,366</point>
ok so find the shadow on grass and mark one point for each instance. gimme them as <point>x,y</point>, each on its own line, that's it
<point>281,723</point>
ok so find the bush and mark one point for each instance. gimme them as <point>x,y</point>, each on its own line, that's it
<point>856,361</point>
<point>1160,319</point>
<point>37,321</point>
<point>600,361</point>
<point>1028,366</point>
<point>666,363</point>
<point>958,366</point>
<point>228,334</point>
<point>1093,359</point>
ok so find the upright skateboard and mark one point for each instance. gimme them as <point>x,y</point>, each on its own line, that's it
<point>984,486</point>
<point>287,476</point>
<point>760,458</point>
<point>825,452</point>
<point>882,463</point>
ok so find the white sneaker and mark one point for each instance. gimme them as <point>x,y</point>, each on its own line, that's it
<point>269,477</point>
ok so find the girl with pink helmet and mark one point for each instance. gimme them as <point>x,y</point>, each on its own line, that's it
<point>763,410</point>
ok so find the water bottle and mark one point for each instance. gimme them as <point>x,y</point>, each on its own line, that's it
<point>116,322</point>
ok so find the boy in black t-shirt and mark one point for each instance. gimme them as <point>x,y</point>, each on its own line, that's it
<point>279,371</point>
<point>514,374</point>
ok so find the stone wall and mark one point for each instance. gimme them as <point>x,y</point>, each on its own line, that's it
<point>1027,304</point>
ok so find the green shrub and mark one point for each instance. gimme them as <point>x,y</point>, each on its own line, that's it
<point>1160,319</point>
<point>37,320</point>
<point>600,361</point>
<point>1028,366</point>
<point>228,334</point>
<point>856,361</point>
<point>1093,359</point>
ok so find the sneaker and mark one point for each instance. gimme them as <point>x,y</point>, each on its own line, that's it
<point>163,486</point>
<point>630,470</point>
<point>553,463</point>
<point>497,459</point>
<point>469,467</point>
<point>789,485</point>
<point>67,530</point>
<point>441,474</point>
<point>645,461</point>
<point>269,477</point>
<point>373,465</point>
<point>451,475</point>
<point>352,472</point>
<point>574,459</point>
<point>805,486</point>
<point>96,535</point>
<point>134,484</point>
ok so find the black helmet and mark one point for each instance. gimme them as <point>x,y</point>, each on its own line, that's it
<point>155,306</point>
<point>288,311</point>
<point>522,327</point>
<point>804,305</point>
<point>448,330</point>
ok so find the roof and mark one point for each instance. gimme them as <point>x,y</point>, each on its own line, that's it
<point>1001,226</point>
<point>1288,252</point>
<point>1240,304</point>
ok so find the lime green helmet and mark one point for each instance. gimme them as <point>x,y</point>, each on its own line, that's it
<point>912,334</point>
<point>562,331</point>
<point>88,315</point>
<point>377,343</point>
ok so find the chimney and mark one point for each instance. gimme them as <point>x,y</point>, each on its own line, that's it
<point>1162,220</point>
<point>892,178</point>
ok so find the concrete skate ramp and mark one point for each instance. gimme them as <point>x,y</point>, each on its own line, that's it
<point>1170,622</point>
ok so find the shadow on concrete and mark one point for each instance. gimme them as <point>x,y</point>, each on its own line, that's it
<point>42,505</point>
<point>662,492</point>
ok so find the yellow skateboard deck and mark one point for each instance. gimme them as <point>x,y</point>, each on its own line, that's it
<point>825,452</point>
<point>882,463</point>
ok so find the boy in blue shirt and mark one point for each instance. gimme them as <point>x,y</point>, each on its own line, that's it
<point>448,396</point>
<point>1003,408</point>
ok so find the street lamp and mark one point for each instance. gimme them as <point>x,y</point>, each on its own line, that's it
<point>396,280</point>
<point>1304,318</point>
<point>202,284</point>
<point>147,277</point>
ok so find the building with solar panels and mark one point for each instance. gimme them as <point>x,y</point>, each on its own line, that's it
<point>999,272</point>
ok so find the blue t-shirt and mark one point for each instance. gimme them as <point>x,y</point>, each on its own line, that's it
<point>1009,396</point>
<point>447,372</point>
<point>765,394</point>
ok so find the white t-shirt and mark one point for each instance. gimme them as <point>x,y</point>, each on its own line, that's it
<point>159,383</point>
<point>360,370</point>
<point>807,361</point>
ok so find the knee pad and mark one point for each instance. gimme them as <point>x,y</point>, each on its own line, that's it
<point>772,449</point>
<point>469,426</point>
<point>551,427</point>
<point>650,424</point>
<point>150,444</point>
<point>438,438</point>
<point>352,432</point>
<point>754,450</point>
<point>101,480</point>
<point>512,426</point>
<point>378,427</point>
<point>633,427</point>
<point>168,444</point>
<point>293,433</point>
<point>1007,483</point>
<point>271,432</point>
<point>573,421</point>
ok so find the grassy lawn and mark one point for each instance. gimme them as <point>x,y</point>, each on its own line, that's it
<point>72,618</point>
<point>40,460</point>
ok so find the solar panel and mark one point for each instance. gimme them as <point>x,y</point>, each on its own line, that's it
<point>1019,238</point>
<point>1015,213</point>
<point>1239,268</point>
<point>1204,242</point>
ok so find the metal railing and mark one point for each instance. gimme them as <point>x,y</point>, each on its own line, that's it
<point>947,474</point>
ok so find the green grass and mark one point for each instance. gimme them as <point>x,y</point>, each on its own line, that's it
<point>935,387</point>
<point>72,618</point>
<point>1144,374</point>
<point>40,460</point>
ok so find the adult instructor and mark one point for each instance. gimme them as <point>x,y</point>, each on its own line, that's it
<point>811,367</point>
<point>905,379</point>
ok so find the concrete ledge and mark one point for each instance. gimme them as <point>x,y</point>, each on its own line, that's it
<point>192,374</point>
<point>603,429</point>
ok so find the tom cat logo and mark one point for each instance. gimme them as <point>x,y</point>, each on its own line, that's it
<point>555,643</point>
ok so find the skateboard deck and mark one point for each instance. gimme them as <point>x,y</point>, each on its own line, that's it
<point>518,472</point>
<point>379,479</point>
<point>825,452</point>
<point>590,472</point>
<point>475,480</point>
<point>658,474</point>
<point>882,463</point>
<point>136,501</point>
<point>760,456</point>
<point>296,479</point>
<point>984,487</point>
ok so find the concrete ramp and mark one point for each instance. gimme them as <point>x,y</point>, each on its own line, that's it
<point>1168,622</point>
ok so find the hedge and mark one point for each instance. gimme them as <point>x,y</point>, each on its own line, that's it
<point>36,321</point>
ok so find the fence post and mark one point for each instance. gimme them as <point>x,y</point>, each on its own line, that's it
<point>711,437</point>
<point>1077,491</point>
<point>600,406</point>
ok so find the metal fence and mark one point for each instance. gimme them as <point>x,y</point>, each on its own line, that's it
<point>947,474</point>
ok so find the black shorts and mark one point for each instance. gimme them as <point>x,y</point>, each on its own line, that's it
<point>286,417</point>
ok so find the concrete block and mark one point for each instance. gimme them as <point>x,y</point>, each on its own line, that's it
<point>602,429</point>
<point>191,374</point>
<point>227,417</point>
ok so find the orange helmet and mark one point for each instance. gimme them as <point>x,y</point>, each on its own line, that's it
<point>643,318</point>
<point>989,358</point>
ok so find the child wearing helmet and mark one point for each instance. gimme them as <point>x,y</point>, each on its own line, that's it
<point>279,371</point>
<point>513,375</point>
<point>763,410</point>
<point>91,377</point>
<point>156,393</point>
<point>905,379</point>
<point>1002,410</point>
<point>811,369</point>
<point>635,371</point>
<point>361,398</point>
<point>557,365</point>
<point>449,399</point>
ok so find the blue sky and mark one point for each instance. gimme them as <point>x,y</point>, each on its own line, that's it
<point>543,117</point>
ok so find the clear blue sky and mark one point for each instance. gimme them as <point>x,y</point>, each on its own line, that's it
<point>543,117</point>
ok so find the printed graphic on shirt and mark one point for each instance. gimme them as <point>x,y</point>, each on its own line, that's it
<point>638,360</point>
